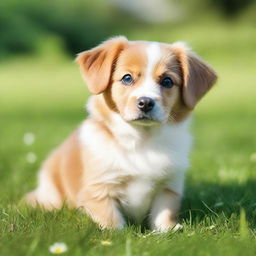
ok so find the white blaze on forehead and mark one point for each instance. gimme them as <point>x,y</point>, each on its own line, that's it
<point>153,55</point>
<point>149,87</point>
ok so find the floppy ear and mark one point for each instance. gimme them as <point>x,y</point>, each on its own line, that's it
<point>198,77</point>
<point>97,64</point>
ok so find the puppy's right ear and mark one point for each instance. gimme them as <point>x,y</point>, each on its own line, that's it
<point>97,64</point>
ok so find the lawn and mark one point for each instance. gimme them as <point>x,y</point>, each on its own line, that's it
<point>45,95</point>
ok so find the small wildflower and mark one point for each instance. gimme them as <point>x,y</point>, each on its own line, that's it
<point>58,248</point>
<point>31,157</point>
<point>29,138</point>
<point>106,242</point>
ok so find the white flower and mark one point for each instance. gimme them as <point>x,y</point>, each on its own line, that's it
<point>29,138</point>
<point>58,248</point>
<point>31,157</point>
<point>106,242</point>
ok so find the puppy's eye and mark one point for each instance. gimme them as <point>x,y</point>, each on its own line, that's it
<point>167,82</point>
<point>127,79</point>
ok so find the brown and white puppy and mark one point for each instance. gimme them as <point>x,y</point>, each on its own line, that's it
<point>129,157</point>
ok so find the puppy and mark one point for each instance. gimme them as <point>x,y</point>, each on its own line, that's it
<point>130,156</point>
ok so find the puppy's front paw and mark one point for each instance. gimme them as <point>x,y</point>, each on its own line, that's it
<point>164,222</point>
<point>111,219</point>
<point>174,228</point>
<point>116,223</point>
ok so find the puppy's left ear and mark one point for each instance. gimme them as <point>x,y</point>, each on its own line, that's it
<point>198,77</point>
<point>97,64</point>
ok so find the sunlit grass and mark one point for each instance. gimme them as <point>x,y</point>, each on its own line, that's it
<point>45,96</point>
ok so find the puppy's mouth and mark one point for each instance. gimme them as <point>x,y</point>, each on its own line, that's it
<point>145,120</point>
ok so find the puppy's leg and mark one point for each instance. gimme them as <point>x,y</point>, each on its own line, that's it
<point>46,194</point>
<point>164,210</point>
<point>102,208</point>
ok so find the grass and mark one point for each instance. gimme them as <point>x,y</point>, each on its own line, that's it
<point>45,96</point>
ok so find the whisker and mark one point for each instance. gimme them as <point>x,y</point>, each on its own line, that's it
<point>173,116</point>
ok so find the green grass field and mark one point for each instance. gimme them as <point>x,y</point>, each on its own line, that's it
<point>45,96</point>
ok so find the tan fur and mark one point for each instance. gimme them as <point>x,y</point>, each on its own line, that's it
<point>97,64</point>
<point>64,167</point>
<point>198,77</point>
<point>73,170</point>
<point>131,61</point>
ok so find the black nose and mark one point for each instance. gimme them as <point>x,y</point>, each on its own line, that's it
<point>145,104</point>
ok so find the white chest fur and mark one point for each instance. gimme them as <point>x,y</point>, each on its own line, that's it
<point>159,161</point>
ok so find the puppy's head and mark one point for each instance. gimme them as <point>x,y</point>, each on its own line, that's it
<point>146,82</point>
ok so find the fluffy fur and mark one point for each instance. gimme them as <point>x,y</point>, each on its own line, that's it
<point>122,161</point>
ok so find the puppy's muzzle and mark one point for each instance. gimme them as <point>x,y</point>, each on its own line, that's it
<point>145,104</point>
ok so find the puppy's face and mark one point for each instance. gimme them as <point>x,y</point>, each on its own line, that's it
<point>146,82</point>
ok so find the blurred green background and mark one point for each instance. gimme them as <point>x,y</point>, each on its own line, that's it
<point>81,24</point>
<point>42,97</point>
